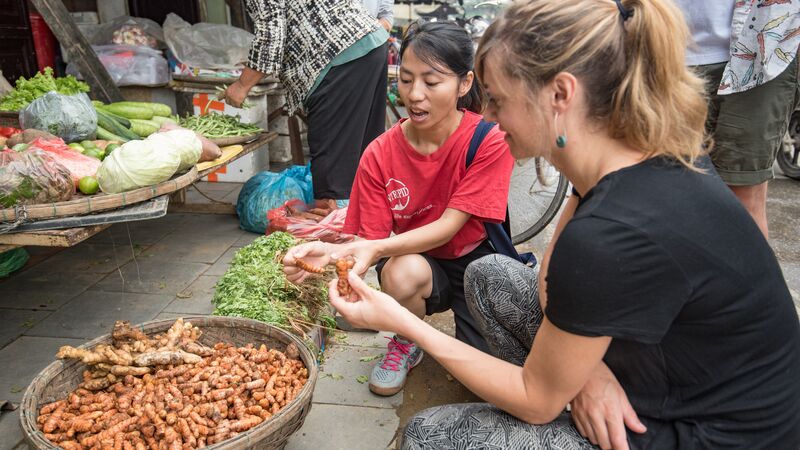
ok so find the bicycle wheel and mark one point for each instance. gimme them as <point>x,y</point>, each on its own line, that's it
<point>534,197</point>
<point>789,155</point>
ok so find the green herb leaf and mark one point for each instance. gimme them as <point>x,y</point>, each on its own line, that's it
<point>362,379</point>
<point>370,358</point>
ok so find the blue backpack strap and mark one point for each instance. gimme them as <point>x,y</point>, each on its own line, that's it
<point>499,234</point>
<point>481,131</point>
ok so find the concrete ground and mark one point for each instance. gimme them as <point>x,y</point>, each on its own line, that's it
<point>136,272</point>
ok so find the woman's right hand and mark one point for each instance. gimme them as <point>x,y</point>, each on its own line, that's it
<point>367,307</point>
<point>315,253</point>
<point>235,94</point>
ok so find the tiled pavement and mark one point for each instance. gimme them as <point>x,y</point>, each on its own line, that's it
<point>136,271</point>
<point>157,269</point>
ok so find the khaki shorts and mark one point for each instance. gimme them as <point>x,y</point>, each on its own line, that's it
<point>748,127</point>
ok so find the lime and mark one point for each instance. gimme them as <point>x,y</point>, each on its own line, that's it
<point>111,147</point>
<point>88,185</point>
<point>95,153</point>
<point>88,144</point>
<point>77,147</point>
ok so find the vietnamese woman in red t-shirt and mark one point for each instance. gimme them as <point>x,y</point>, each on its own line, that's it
<point>415,207</point>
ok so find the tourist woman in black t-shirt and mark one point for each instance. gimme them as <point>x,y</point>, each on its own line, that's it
<point>665,310</point>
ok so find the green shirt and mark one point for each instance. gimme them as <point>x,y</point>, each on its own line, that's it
<point>363,46</point>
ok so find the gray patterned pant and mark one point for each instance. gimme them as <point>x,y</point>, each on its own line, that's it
<point>502,296</point>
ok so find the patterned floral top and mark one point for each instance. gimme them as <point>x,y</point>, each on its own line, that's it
<point>764,41</point>
<point>296,39</point>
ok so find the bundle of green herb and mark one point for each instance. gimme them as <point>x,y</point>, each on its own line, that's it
<point>255,287</point>
<point>29,90</point>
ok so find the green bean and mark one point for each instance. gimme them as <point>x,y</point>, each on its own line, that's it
<point>215,125</point>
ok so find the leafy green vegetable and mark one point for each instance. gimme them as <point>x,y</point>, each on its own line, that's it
<point>370,358</point>
<point>362,379</point>
<point>28,90</point>
<point>255,287</point>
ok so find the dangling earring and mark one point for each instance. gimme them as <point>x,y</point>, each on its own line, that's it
<point>561,139</point>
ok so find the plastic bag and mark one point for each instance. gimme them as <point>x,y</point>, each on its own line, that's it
<point>145,163</point>
<point>127,30</point>
<point>70,117</point>
<point>261,193</point>
<point>185,142</point>
<point>12,260</point>
<point>32,176</point>
<point>130,65</point>
<point>329,229</point>
<point>78,165</point>
<point>207,45</point>
<point>302,174</point>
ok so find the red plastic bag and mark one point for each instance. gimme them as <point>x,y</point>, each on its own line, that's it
<point>78,165</point>
<point>297,219</point>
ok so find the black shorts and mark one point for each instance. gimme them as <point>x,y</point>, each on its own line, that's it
<point>448,278</point>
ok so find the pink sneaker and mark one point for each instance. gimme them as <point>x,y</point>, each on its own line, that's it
<point>389,376</point>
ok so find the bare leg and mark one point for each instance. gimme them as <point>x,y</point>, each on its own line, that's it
<point>754,199</point>
<point>409,280</point>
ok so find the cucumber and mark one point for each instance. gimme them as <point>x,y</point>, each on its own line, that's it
<point>144,128</point>
<point>130,111</point>
<point>106,121</point>
<point>161,120</point>
<point>123,121</point>
<point>106,135</point>
<point>157,108</point>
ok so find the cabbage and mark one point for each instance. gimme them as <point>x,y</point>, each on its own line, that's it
<point>70,117</point>
<point>184,142</point>
<point>151,161</point>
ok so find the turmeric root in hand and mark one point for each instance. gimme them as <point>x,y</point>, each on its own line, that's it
<point>308,267</point>
<point>343,266</point>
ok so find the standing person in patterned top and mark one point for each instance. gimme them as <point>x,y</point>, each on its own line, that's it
<point>417,209</point>
<point>664,318</point>
<point>747,51</point>
<point>330,56</point>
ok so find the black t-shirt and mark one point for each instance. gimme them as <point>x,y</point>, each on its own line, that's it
<point>706,341</point>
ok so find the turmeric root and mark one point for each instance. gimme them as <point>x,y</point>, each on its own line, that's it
<point>166,357</point>
<point>308,267</point>
<point>343,266</point>
<point>124,332</point>
<point>122,371</point>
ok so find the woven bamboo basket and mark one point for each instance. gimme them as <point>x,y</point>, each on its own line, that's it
<point>61,377</point>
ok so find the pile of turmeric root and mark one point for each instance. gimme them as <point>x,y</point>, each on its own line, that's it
<point>170,392</point>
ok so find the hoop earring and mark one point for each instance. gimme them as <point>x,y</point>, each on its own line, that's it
<point>561,139</point>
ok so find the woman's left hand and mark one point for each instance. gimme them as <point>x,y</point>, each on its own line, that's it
<point>368,308</point>
<point>601,411</point>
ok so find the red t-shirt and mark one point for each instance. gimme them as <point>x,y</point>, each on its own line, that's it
<point>397,189</point>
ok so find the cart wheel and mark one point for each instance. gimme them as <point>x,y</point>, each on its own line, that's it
<point>789,154</point>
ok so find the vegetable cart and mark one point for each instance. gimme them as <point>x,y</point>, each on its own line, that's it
<point>71,235</point>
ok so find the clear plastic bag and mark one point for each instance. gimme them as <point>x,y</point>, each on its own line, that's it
<point>78,165</point>
<point>207,45</point>
<point>130,65</point>
<point>70,117</point>
<point>32,176</point>
<point>127,30</point>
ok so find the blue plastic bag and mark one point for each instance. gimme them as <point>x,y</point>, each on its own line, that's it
<point>268,190</point>
<point>302,174</point>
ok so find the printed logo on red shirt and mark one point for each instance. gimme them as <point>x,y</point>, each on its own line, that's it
<point>398,194</point>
